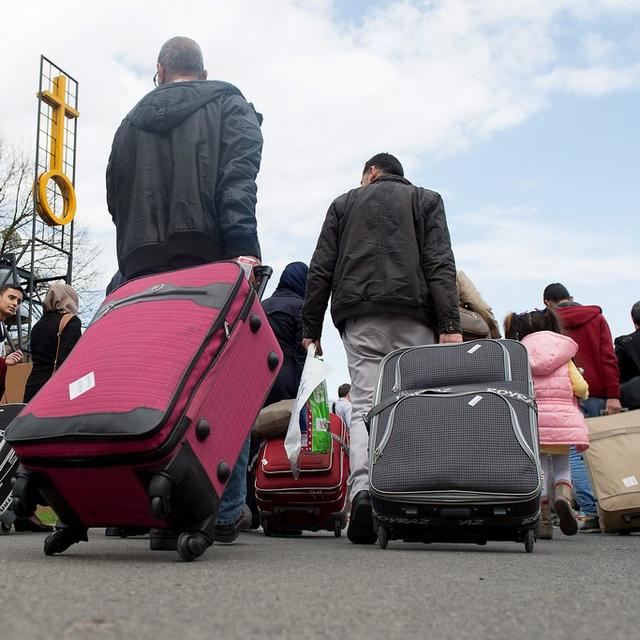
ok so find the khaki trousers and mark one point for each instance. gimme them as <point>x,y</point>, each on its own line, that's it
<point>367,340</point>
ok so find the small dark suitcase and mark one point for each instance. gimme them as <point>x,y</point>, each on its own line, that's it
<point>454,445</point>
<point>317,499</point>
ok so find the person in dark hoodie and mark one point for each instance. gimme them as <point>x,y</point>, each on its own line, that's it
<point>284,312</point>
<point>181,178</point>
<point>181,189</point>
<point>597,358</point>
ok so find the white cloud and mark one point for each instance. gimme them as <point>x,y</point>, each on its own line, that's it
<point>597,48</point>
<point>418,79</point>
<point>596,81</point>
<point>522,244</point>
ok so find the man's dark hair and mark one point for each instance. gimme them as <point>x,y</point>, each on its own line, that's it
<point>16,287</point>
<point>343,390</point>
<point>635,313</point>
<point>181,55</point>
<point>386,163</point>
<point>556,292</point>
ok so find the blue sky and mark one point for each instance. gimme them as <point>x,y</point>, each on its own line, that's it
<point>522,113</point>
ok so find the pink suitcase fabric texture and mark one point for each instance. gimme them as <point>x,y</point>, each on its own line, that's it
<point>167,379</point>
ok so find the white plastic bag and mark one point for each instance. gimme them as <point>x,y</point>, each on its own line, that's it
<point>314,372</point>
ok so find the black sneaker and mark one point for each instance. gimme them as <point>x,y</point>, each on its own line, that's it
<point>360,529</point>
<point>229,532</point>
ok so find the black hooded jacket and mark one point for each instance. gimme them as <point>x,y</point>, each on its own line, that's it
<point>181,178</point>
<point>383,248</point>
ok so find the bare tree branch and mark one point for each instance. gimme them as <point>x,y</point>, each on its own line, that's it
<point>16,224</point>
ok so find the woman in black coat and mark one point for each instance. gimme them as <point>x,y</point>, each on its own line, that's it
<point>61,299</point>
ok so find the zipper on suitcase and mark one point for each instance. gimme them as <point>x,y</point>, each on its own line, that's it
<point>516,428</point>
<point>220,321</point>
<point>515,423</point>
<point>149,296</point>
<point>397,386</point>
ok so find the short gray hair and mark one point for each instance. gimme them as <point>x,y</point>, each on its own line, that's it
<point>181,55</point>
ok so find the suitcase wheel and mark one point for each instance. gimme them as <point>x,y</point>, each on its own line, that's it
<point>191,546</point>
<point>266,527</point>
<point>383,538</point>
<point>337,528</point>
<point>529,541</point>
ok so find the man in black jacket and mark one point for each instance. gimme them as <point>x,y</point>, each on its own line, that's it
<point>181,178</point>
<point>628,353</point>
<point>181,189</point>
<point>384,256</point>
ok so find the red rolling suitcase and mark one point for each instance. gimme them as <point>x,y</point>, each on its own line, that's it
<point>143,423</point>
<point>313,502</point>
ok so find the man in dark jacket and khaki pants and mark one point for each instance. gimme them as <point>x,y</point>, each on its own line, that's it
<point>384,256</point>
<point>181,189</point>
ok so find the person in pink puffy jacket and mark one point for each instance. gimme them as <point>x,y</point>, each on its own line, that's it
<point>558,384</point>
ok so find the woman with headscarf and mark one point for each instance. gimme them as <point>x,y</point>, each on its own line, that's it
<point>48,349</point>
<point>51,342</point>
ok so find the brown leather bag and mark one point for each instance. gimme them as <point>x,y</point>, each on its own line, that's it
<point>474,326</point>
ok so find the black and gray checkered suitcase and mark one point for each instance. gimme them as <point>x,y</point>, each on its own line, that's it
<point>453,451</point>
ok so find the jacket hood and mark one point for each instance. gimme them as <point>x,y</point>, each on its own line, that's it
<point>294,278</point>
<point>576,315</point>
<point>548,351</point>
<point>167,106</point>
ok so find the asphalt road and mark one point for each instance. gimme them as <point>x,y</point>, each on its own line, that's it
<point>583,588</point>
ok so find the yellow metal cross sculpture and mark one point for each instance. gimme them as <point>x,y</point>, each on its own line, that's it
<point>59,110</point>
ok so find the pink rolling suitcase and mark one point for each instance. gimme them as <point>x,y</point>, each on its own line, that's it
<point>143,423</point>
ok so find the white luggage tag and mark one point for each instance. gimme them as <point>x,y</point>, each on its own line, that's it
<point>474,401</point>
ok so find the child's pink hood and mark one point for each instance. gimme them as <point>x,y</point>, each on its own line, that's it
<point>548,351</point>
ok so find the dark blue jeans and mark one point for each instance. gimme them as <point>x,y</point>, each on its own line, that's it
<point>235,493</point>
<point>585,497</point>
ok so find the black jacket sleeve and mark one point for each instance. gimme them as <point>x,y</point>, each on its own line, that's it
<point>320,276</point>
<point>240,149</point>
<point>111,179</point>
<point>68,339</point>
<point>439,268</point>
<point>626,361</point>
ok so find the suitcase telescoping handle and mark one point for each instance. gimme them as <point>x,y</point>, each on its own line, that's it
<point>261,275</point>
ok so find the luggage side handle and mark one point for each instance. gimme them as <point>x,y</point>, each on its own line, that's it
<point>261,274</point>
